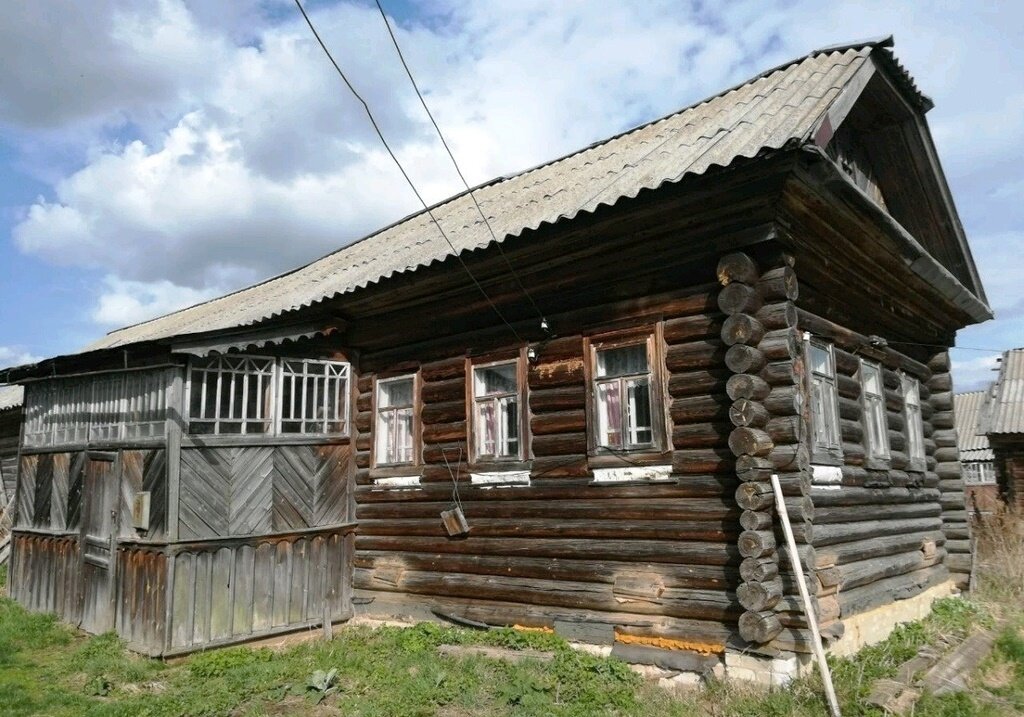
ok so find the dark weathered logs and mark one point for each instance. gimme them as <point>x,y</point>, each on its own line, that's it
<point>696,409</point>
<point>744,359</point>
<point>744,386</point>
<point>759,627</point>
<point>739,299</point>
<point>697,383</point>
<point>757,595</point>
<point>781,373</point>
<point>742,329</point>
<point>444,369</point>
<point>688,328</point>
<point>754,496</point>
<point>759,569</point>
<point>694,355</point>
<point>754,468</point>
<point>573,421</point>
<point>780,345</point>
<point>558,399</point>
<point>750,441</point>
<point>737,267</point>
<point>777,316</point>
<point>745,412</point>
<point>699,435</point>
<point>756,520</point>
<point>784,401</point>
<point>756,543</point>
<point>700,461</point>
<point>779,284</point>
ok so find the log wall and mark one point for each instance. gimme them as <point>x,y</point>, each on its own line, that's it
<point>652,558</point>
<point>10,432</point>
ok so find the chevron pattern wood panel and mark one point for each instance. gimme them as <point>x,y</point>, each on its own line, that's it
<point>76,475</point>
<point>331,499</point>
<point>297,469</point>
<point>143,471</point>
<point>225,491</point>
<point>26,490</point>
<point>59,492</point>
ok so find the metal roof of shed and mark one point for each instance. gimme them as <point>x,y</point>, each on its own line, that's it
<point>973,444</point>
<point>1004,412</point>
<point>767,112</point>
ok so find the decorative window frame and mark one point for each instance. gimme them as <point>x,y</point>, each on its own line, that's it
<point>830,454</point>
<point>522,398</point>
<point>914,422</point>
<point>976,473</point>
<point>417,433</point>
<point>274,381</point>
<point>659,451</point>
<point>341,378</point>
<point>879,454</point>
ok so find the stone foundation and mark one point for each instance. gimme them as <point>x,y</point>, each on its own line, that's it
<point>767,671</point>
<point>873,626</point>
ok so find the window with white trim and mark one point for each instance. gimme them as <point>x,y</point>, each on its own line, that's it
<point>826,439</point>
<point>623,398</point>
<point>396,398</point>
<point>496,417</point>
<point>231,395</point>
<point>915,424</point>
<point>314,396</point>
<point>876,426</point>
<point>101,407</point>
<point>238,394</point>
<point>979,473</point>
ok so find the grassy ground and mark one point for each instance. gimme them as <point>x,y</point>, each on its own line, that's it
<point>49,669</point>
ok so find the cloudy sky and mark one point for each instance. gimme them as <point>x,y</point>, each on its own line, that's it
<point>154,153</point>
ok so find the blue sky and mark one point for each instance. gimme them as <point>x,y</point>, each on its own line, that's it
<point>158,152</point>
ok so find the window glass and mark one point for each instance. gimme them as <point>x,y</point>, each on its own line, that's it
<point>915,424</point>
<point>496,410</point>
<point>824,399</point>
<point>395,420</point>
<point>622,395</point>
<point>875,419</point>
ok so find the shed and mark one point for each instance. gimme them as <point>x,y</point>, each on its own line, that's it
<point>1002,423</point>
<point>571,424</point>
<point>976,455</point>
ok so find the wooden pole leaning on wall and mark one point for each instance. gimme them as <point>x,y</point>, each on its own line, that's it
<point>812,618</point>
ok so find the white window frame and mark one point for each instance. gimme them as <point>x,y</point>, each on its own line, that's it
<point>830,450</point>
<point>499,402</point>
<point>269,383</point>
<point>911,389</point>
<point>875,412</point>
<point>598,431</point>
<point>335,376</point>
<point>103,407</point>
<point>380,427</point>
<point>979,473</point>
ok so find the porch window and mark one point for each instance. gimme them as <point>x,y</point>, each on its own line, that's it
<point>231,395</point>
<point>496,416</point>
<point>875,422</point>
<point>915,426</point>
<point>979,473</point>
<point>622,396</point>
<point>314,396</point>
<point>826,439</point>
<point>395,404</point>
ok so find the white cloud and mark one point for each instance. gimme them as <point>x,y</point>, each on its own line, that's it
<point>973,372</point>
<point>16,356</point>
<point>129,302</point>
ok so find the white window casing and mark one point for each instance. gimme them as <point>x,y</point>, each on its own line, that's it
<point>826,437</point>
<point>623,397</point>
<point>396,400</point>
<point>876,424</point>
<point>313,397</point>
<point>632,474</point>
<point>500,479</point>
<point>915,424</point>
<point>496,411</point>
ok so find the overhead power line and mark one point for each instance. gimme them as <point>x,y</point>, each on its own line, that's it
<point>451,155</point>
<point>405,174</point>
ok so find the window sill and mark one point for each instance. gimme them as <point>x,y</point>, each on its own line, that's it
<point>877,464</point>
<point>633,474</point>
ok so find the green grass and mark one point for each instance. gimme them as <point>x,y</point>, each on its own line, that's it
<point>49,669</point>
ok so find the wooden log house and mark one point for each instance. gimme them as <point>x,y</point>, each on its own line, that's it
<point>1001,428</point>
<point>767,281</point>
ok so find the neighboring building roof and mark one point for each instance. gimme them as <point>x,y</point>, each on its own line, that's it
<point>768,112</point>
<point>1004,411</point>
<point>972,443</point>
<point>11,397</point>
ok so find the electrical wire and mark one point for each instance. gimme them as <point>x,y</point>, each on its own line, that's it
<point>387,146</point>
<point>469,190</point>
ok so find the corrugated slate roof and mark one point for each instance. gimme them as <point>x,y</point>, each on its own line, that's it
<point>1005,412</point>
<point>973,444</point>
<point>767,112</point>
<point>11,397</point>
